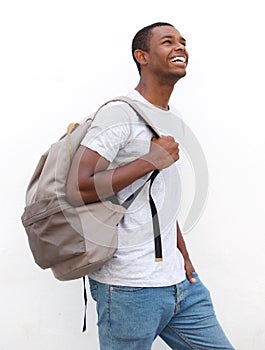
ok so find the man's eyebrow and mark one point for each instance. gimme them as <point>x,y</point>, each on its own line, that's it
<point>172,37</point>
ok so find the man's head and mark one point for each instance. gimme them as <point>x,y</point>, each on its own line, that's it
<point>142,38</point>
<point>160,41</point>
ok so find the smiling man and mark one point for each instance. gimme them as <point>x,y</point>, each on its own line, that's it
<point>140,295</point>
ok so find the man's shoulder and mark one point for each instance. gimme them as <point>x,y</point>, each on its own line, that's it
<point>113,112</point>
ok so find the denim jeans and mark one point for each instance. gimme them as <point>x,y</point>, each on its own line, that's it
<point>130,318</point>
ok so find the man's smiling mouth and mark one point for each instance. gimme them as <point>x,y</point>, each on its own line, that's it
<point>179,59</point>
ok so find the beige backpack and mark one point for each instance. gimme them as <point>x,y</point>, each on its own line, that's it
<point>73,241</point>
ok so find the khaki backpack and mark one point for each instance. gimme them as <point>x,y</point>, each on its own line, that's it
<point>73,241</point>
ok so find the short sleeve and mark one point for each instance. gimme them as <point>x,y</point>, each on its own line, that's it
<point>109,132</point>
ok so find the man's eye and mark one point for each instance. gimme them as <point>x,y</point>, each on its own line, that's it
<point>167,42</point>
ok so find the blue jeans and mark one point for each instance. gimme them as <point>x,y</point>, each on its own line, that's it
<point>130,318</point>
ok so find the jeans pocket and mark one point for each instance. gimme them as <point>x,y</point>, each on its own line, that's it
<point>126,289</point>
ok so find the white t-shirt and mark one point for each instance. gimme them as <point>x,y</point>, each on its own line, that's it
<point>120,136</point>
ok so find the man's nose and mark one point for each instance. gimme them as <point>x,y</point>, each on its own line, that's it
<point>180,47</point>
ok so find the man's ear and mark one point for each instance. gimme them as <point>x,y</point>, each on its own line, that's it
<point>140,56</point>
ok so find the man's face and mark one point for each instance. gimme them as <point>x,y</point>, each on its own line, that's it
<point>167,56</point>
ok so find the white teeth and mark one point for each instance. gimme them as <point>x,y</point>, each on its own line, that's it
<point>179,59</point>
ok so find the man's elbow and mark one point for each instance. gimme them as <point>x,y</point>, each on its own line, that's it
<point>77,197</point>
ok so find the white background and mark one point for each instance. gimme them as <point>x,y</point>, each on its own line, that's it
<point>59,61</point>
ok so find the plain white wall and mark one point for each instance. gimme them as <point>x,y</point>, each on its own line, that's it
<point>59,61</point>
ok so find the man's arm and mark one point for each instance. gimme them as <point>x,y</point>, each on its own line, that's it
<point>89,179</point>
<point>187,263</point>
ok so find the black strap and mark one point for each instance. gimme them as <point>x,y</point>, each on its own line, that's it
<point>126,204</point>
<point>85,299</point>
<point>156,226</point>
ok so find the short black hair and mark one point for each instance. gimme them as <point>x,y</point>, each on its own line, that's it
<point>142,38</point>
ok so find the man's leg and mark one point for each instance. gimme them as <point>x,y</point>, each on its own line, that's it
<point>194,325</point>
<point>130,317</point>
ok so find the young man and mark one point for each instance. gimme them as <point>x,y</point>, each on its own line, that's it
<point>139,297</point>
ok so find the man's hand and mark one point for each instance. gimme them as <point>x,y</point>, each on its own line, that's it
<point>164,152</point>
<point>189,270</point>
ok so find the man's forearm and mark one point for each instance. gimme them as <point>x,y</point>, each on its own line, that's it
<point>105,183</point>
<point>183,249</point>
<point>181,244</point>
<point>90,179</point>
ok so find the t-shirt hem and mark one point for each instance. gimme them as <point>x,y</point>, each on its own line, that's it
<point>139,283</point>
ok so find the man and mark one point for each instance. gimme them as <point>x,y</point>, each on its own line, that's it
<point>139,297</point>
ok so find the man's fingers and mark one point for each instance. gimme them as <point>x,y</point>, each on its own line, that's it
<point>191,277</point>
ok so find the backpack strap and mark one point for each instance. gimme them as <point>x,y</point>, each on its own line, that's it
<point>137,110</point>
<point>128,201</point>
<point>156,226</point>
<point>85,300</point>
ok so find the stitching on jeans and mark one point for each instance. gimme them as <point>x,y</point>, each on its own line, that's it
<point>108,311</point>
<point>183,338</point>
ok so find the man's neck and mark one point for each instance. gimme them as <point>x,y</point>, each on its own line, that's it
<point>156,94</point>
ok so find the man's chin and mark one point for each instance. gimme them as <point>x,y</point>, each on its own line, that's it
<point>180,75</point>
<point>183,73</point>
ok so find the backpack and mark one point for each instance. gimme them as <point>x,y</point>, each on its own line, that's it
<point>74,241</point>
